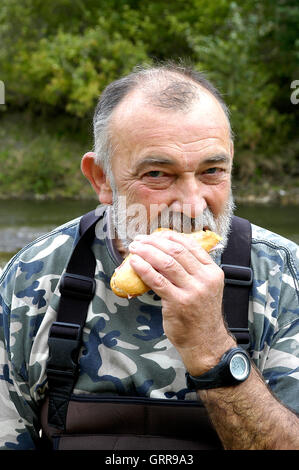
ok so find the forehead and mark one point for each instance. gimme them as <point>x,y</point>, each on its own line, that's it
<point>137,124</point>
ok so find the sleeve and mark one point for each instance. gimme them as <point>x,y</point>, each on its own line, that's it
<point>28,303</point>
<point>282,366</point>
<point>281,370</point>
<point>17,415</point>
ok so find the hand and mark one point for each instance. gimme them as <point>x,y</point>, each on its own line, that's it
<point>190,285</point>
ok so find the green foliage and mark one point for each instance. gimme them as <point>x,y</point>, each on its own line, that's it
<point>35,159</point>
<point>56,57</point>
<point>233,64</point>
<point>71,71</point>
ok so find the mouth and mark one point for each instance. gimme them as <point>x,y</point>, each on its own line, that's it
<point>182,223</point>
<point>183,229</point>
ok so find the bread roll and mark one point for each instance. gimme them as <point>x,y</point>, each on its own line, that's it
<point>126,283</point>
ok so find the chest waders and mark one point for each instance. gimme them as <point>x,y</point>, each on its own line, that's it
<point>104,422</point>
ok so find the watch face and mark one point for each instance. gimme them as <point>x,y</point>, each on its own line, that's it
<point>239,367</point>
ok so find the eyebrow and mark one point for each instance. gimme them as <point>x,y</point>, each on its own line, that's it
<point>156,160</point>
<point>148,161</point>
<point>220,158</point>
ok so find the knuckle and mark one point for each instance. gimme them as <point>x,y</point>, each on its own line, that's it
<point>169,263</point>
<point>215,280</point>
<point>184,302</point>
<point>178,250</point>
<point>147,269</point>
<point>159,281</point>
<point>220,275</point>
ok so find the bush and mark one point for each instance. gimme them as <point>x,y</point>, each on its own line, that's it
<point>34,160</point>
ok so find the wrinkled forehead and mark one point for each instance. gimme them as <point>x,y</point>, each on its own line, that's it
<point>205,112</point>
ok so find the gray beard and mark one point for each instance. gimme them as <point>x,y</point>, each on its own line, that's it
<point>127,227</point>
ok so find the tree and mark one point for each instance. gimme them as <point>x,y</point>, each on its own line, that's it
<point>58,56</point>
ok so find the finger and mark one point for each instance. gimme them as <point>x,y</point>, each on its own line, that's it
<point>175,250</point>
<point>153,279</point>
<point>162,262</point>
<point>190,243</point>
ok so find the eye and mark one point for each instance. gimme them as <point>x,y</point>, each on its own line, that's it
<point>155,173</point>
<point>211,171</point>
<point>157,179</point>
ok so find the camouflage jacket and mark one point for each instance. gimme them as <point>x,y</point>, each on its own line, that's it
<point>125,350</point>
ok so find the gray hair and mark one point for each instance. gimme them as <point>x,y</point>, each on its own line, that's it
<point>167,85</point>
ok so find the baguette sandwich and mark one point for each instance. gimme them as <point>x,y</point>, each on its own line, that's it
<point>125,282</point>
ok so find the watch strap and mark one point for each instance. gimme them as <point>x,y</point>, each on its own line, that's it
<point>218,376</point>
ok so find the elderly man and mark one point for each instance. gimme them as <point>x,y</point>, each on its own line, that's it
<point>163,143</point>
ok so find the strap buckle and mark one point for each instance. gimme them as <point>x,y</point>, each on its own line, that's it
<point>237,275</point>
<point>64,343</point>
<point>62,369</point>
<point>77,286</point>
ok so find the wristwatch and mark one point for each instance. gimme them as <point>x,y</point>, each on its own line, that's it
<point>234,367</point>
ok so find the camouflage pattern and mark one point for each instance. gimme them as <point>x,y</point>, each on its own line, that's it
<point>124,348</point>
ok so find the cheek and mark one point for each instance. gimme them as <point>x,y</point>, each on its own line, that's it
<point>146,196</point>
<point>154,201</point>
<point>217,198</point>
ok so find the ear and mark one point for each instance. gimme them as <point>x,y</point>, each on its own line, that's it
<point>97,178</point>
<point>232,149</point>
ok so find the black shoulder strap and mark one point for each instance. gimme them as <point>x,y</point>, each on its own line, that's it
<point>236,261</point>
<point>77,288</point>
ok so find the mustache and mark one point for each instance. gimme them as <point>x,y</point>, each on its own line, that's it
<point>181,222</point>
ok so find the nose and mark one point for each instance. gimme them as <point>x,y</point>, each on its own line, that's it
<point>189,196</point>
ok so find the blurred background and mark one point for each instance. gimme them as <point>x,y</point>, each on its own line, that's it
<point>57,56</point>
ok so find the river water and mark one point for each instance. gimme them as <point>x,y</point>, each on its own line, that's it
<point>23,221</point>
